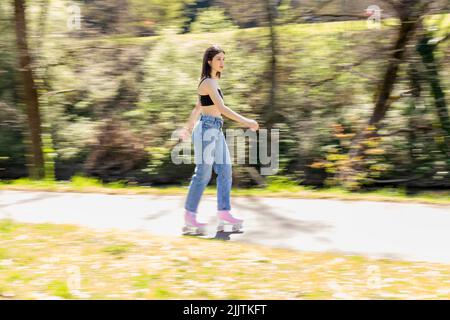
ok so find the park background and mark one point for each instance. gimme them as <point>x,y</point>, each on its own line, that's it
<point>89,105</point>
<point>356,106</point>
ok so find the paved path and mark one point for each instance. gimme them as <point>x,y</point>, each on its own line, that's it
<point>414,232</point>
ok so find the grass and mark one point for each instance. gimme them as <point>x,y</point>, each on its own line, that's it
<point>293,29</point>
<point>276,187</point>
<point>46,261</point>
<point>118,249</point>
<point>59,288</point>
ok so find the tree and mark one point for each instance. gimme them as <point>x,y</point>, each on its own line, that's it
<point>426,47</point>
<point>409,12</point>
<point>158,15</point>
<point>30,95</point>
<point>212,20</point>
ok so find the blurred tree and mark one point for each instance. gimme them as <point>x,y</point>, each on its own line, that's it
<point>426,47</point>
<point>270,113</point>
<point>109,157</point>
<point>409,12</point>
<point>301,79</point>
<point>210,20</point>
<point>156,15</point>
<point>191,11</point>
<point>30,95</point>
<point>246,14</point>
<point>105,17</point>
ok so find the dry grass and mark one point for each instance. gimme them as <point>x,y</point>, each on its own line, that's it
<point>46,261</point>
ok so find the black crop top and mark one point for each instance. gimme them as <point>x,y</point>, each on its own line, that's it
<point>206,100</point>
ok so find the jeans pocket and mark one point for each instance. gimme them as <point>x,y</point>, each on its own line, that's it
<point>207,124</point>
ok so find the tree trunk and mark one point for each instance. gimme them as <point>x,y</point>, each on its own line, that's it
<point>270,105</point>
<point>414,81</point>
<point>270,114</point>
<point>409,12</point>
<point>36,158</point>
<point>426,51</point>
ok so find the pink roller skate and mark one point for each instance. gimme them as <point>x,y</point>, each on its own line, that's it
<point>225,218</point>
<point>192,226</point>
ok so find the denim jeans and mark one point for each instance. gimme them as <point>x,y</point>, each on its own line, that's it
<point>210,152</point>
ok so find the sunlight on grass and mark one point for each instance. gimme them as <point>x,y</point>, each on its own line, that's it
<point>82,182</point>
<point>116,185</point>
<point>161,267</point>
<point>59,288</point>
<point>7,226</point>
<point>118,249</point>
<point>293,29</point>
<point>276,186</point>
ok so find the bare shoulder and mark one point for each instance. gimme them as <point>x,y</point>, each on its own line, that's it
<point>207,85</point>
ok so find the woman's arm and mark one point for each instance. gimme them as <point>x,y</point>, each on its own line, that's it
<point>212,90</point>
<point>194,116</point>
<point>187,128</point>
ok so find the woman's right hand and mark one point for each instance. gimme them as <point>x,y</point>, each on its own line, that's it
<point>184,134</point>
<point>253,125</point>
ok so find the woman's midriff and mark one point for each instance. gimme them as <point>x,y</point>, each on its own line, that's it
<point>211,111</point>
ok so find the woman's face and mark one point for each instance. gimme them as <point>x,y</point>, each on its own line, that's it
<point>217,63</point>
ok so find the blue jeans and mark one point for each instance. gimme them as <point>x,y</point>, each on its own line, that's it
<point>210,152</point>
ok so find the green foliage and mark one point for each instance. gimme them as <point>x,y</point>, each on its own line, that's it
<point>49,157</point>
<point>12,149</point>
<point>324,77</point>
<point>159,15</point>
<point>286,14</point>
<point>280,182</point>
<point>80,181</point>
<point>336,159</point>
<point>157,158</point>
<point>116,184</point>
<point>212,19</point>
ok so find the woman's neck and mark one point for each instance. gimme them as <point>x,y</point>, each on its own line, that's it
<point>214,76</point>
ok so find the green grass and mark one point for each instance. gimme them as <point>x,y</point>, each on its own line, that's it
<point>59,288</point>
<point>7,226</point>
<point>3,253</point>
<point>161,267</point>
<point>276,187</point>
<point>291,29</point>
<point>83,182</point>
<point>118,249</point>
<point>143,280</point>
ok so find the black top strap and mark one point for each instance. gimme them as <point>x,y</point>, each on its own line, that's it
<point>201,82</point>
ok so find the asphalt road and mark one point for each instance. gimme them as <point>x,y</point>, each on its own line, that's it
<point>413,232</point>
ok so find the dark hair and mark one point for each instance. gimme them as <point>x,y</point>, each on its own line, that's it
<point>209,55</point>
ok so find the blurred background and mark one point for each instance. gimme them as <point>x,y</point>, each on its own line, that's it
<point>358,89</point>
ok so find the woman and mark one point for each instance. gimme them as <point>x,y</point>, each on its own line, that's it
<point>207,133</point>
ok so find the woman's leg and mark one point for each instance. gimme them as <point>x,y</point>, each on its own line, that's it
<point>200,179</point>
<point>203,170</point>
<point>224,182</point>
<point>223,169</point>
